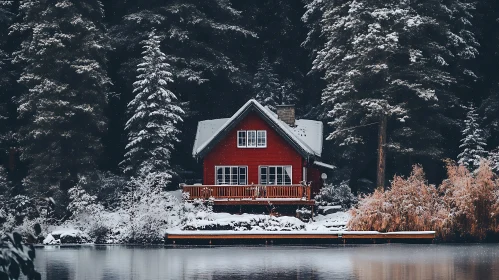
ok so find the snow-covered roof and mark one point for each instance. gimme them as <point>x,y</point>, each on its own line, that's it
<point>206,129</point>
<point>307,134</point>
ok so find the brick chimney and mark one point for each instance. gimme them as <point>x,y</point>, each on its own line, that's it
<point>286,113</point>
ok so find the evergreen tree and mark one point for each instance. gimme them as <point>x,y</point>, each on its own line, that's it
<point>473,142</point>
<point>63,60</point>
<point>205,42</point>
<point>154,116</point>
<point>494,159</point>
<point>6,78</point>
<point>4,190</point>
<point>279,37</point>
<point>269,91</point>
<point>5,21</point>
<point>188,24</point>
<point>487,15</point>
<point>197,34</point>
<point>401,59</point>
<point>266,85</point>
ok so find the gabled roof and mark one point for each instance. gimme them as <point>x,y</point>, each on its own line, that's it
<point>306,137</point>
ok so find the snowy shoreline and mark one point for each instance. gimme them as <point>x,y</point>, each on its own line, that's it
<point>220,222</point>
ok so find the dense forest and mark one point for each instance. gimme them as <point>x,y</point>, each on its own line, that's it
<point>94,93</point>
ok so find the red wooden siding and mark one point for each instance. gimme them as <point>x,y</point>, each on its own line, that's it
<point>277,152</point>
<point>314,175</point>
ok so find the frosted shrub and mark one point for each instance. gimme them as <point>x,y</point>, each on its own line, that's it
<point>150,210</point>
<point>86,212</point>
<point>195,211</point>
<point>81,202</point>
<point>409,204</point>
<point>331,195</point>
<point>472,199</point>
<point>21,213</point>
<point>7,222</point>
<point>23,207</point>
<point>109,188</point>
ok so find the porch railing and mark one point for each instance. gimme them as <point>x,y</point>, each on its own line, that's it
<point>247,191</point>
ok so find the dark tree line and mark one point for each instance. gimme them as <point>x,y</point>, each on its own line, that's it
<point>68,70</point>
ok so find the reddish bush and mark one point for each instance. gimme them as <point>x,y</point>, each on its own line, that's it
<point>472,200</point>
<point>465,206</point>
<point>409,204</point>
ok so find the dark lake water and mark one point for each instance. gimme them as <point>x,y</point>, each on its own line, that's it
<point>383,261</point>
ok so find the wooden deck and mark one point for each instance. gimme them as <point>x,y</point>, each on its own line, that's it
<point>251,194</point>
<point>298,237</point>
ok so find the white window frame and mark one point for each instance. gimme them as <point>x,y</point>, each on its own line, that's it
<point>264,143</point>
<point>268,167</point>
<point>250,139</point>
<point>254,134</point>
<point>230,175</point>
<point>239,137</point>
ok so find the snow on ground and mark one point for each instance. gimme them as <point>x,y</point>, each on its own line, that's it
<point>66,232</point>
<point>331,222</point>
<point>50,240</point>
<point>253,222</point>
<point>65,235</point>
<point>177,194</point>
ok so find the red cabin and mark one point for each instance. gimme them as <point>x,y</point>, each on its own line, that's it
<point>257,156</point>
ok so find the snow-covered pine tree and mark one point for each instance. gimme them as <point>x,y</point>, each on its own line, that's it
<point>204,41</point>
<point>494,159</point>
<point>397,58</point>
<point>279,38</point>
<point>4,188</point>
<point>266,85</point>
<point>268,88</point>
<point>61,109</point>
<point>155,115</point>
<point>149,209</point>
<point>488,61</point>
<point>6,78</point>
<point>473,141</point>
<point>195,35</point>
<point>5,21</point>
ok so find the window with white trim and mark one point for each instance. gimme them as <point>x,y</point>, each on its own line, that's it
<point>251,138</point>
<point>261,138</point>
<point>231,175</point>
<point>275,175</point>
<point>241,138</point>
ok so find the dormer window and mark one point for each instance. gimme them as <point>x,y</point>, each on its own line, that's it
<point>252,139</point>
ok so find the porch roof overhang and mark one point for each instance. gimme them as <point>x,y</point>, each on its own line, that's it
<point>325,165</point>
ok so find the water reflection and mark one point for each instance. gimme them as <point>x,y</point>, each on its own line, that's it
<point>387,261</point>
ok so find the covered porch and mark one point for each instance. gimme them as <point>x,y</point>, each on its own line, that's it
<point>251,194</point>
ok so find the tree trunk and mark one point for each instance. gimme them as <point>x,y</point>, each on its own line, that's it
<point>380,182</point>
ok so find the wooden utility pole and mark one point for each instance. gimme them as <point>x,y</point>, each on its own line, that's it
<point>380,180</point>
